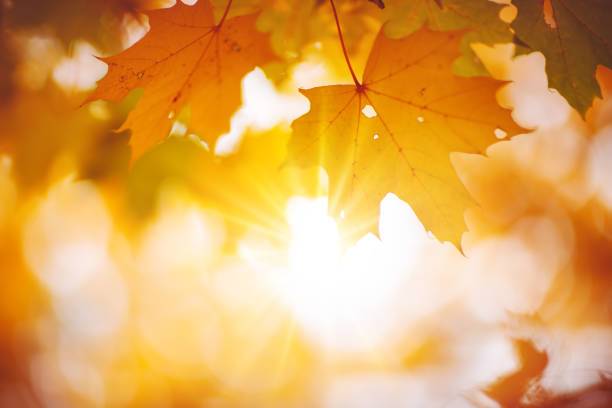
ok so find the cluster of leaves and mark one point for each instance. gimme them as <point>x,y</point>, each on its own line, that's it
<point>423,93</point>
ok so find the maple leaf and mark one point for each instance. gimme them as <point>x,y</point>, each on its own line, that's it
<point>482,17</point>
<point>185,58</point>
<point>419,112</point>
<point>574,36</point>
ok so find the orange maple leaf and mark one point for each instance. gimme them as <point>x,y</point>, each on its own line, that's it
<point>185,58</point>
<point>395,131</point>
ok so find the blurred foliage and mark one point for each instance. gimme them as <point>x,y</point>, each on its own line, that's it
<point>249,188</point>
<point>97,21</point>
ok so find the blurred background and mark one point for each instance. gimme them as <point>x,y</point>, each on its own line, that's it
<point>206,276</point>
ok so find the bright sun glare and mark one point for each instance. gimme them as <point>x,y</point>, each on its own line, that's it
<point>315,242</point>
<point>337,298</point>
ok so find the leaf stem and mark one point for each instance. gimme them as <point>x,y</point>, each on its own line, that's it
<point>346,57</point>
<point>227,8</point>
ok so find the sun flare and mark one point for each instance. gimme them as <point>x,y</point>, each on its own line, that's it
<point>337,297</point>
<point>315,244</point>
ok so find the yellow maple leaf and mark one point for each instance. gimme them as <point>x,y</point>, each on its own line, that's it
<point>394,132</point>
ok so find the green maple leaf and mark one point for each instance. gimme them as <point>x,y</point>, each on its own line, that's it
<point>574,36</point>
<point>481,17</point>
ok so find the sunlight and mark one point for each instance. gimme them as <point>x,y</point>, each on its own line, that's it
<point>339,299</point>
<point>315,244</point>
<point>313,287</point>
